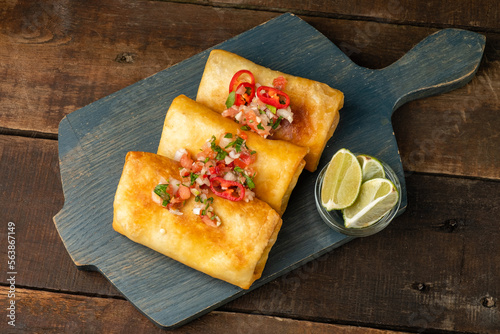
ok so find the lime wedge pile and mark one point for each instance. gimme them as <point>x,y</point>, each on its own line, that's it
<point>357,186</point>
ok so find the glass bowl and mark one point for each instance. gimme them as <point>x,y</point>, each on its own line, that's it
<point>334,218</point>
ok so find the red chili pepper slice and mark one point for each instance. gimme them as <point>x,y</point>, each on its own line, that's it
<point>231,190</point>
<point>238,79</point>
<point>246,97</point>
<point>273,96</point>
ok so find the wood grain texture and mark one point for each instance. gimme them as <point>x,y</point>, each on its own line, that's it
<point>48,312</point>
<point>461,13</point>
<point>435,270</point>
<point>92,145</point>
<point>76,45</point>
<point>30,195</point>
<point>432,268</point>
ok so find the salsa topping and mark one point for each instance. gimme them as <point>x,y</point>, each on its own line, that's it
<point>223,165</point>
<point>258,108</point>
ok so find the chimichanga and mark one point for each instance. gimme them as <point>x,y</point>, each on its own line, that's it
<point>315,106</point>
<point>236,251</point>
<point>189,125</point>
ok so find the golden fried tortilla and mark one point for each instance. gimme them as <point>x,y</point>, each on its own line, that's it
<point>315,105</point>
<point>236,251</point>
<point>189,125</point>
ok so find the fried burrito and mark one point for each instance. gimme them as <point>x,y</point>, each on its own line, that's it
<point>193,127</point>
<point>235,250</point>
<point>273,104</point>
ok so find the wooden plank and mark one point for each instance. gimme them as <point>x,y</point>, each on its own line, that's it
<point>48,312</point>
<point>468,14</point>
<point>30,195</point>
<point>435,268</point>
<point>77,52</point>
<point>82,56</point>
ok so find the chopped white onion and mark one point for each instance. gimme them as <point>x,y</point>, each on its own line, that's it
<point>249,195</point>
<point>224,141</point>
<point>230,176</point>
<point>197,211</point>
<point>176,212</point>
<point>233,155</point>
<point>286,114</point>
<point>178,155</point>
<point>202,181</point>
<point>175,184</point>
<point>238,116</point>
<point>229,159</point>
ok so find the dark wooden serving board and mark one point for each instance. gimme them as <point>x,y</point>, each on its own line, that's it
<point>93,142</point>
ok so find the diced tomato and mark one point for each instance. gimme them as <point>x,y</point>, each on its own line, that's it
<point>183,192</point>
<point>280,82</point>
<point>186,161</point>
<point>247,158</point>
<point>239,163</point>
<point>209,221</point>
<point>250,171</point>
<point>197,167</point>
<point>231,112</point>
<point>251,121</point>
<point>242,134</point>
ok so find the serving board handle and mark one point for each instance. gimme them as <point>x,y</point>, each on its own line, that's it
<point>443,61</point>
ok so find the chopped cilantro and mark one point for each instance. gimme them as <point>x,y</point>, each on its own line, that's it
<point>277,123</point>
<point>221,153</point>
<point>193,177</point>
<point>245,128</point>
<point>260,127</point>
<point>249,180</point>
<point>238,144</point>
<point>161,190</point>
<point>228,135</point>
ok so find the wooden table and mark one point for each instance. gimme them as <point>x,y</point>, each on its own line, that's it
<point>435,269</point>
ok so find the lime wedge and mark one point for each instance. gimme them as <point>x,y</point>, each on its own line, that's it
<point>371,167</point>
<point>342,181</point>
<point>376,198</point>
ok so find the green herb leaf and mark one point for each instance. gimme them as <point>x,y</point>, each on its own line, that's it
<point>193,177</point>
<point>249,180</point>
<point>260,127</point>
<point>277,123</point>
<point>228,135</point>
<point>161,190</point>
<point>238,143</point>
<point>221,154</point>
<point>230,99</point>
<point>245,128</point>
